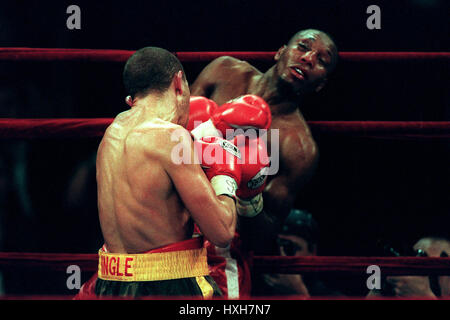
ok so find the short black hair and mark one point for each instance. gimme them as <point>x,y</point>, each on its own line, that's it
<point>301,223</point>
<point>150,69</point>
<point>298,33</point>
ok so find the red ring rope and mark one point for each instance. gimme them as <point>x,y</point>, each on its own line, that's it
<point>269,264</point>
<point>106,55</point>
<point>64,128</point>
<point>95,127</point>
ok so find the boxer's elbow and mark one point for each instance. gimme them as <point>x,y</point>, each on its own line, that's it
<point>219,236</point>
<point>223,243</point>
<point>222,239</point>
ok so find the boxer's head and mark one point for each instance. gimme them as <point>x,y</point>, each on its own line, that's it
<point>305,63</point>
<point>156,71</point>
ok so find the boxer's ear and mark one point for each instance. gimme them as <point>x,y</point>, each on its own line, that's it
<point>279,53</point>
<point>178,82</point>
<point>129,101</point>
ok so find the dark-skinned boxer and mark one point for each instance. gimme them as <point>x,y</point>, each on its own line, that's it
<point>302,66</point>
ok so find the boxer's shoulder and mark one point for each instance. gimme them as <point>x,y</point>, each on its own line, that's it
<point>155,127</point>
<point>157,137</point>
<point>230,66</point>
<point>296,138</point>
<point>227,62</point>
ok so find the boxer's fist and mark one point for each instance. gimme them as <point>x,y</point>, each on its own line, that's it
<point>245,112</point>
<point>255,164</point>
<point>200,110</point>
<point>254,167</point>
<point>219,160</point>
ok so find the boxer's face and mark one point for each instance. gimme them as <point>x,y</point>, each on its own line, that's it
<point>306,61</point>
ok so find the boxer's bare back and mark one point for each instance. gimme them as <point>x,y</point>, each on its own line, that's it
<point>146,200</point>
<point>135,193</point>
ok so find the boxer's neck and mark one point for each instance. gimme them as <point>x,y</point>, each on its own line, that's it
<point>266,86</point>
<point>161,106</point>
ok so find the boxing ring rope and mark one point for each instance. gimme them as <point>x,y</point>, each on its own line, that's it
<point>107,55</point>
<point>95,128</point>
<point>12,128</point>
<point>266,264</point>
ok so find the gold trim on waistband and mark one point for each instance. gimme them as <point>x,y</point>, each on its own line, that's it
<point>152,266</point>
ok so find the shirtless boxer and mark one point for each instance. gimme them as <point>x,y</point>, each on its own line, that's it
<point>152,182</point>
<point>148,203</point>
<point>302,66</point>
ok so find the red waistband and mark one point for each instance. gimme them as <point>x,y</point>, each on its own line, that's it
<point>190,244</point>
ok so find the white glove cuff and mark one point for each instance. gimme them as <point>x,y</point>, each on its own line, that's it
<point>224,185</point>
<point>206,129</point>
<point>250,207</point>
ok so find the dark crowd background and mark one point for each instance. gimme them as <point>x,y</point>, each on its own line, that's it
<point>365,189</point>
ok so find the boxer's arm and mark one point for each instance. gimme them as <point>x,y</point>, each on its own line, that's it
<point>206,81</point>
<point>298,160</point>
<point>214,215</point>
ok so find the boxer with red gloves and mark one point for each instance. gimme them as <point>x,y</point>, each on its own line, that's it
<point>245,112</point>
<point>302,67</point>
<point>148,203</point>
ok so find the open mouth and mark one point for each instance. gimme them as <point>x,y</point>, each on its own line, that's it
<point>298,73</point>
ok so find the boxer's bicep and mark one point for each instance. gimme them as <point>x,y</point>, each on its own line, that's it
<point>298,160</point>
<point>299,157</point>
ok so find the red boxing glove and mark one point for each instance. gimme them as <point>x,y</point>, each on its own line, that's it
<point>254,167</point>
<point>200,110</point>
<point>218,158</point>
<point>245,112</point>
